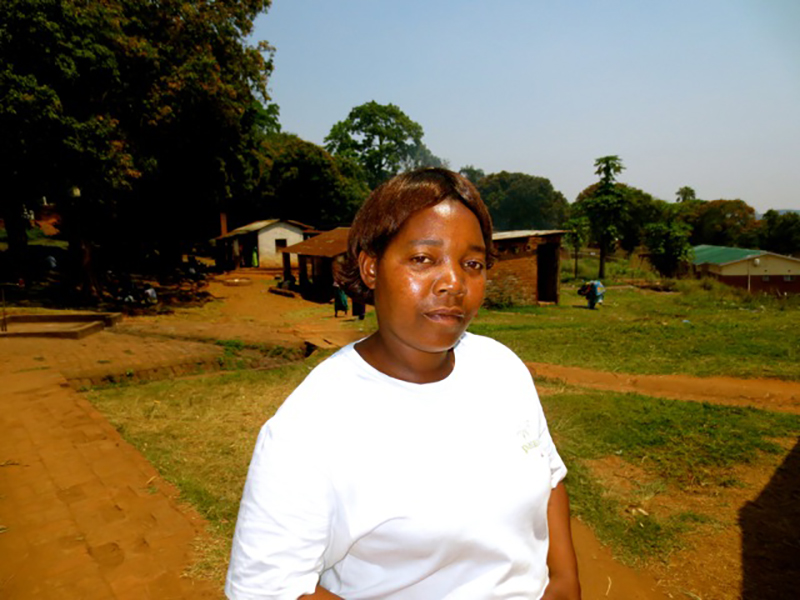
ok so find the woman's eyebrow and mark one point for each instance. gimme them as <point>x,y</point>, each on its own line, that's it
<point>426,242</point>
<point>439,243</point>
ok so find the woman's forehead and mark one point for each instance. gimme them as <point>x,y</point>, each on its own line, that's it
<point>445,219</point>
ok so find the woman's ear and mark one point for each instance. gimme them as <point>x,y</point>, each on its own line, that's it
<point>368,267</point>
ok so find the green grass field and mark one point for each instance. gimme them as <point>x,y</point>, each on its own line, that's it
<point>693,331</point>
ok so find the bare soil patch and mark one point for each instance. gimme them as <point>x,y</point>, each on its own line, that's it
<point>768,394</point>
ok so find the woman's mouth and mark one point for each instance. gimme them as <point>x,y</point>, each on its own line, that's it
<point>446,315</point>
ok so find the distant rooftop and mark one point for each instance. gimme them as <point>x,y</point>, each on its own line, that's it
<point>328,244</point>
<point>721,255</point>
<point>510,235</point>
<point>259,225</point>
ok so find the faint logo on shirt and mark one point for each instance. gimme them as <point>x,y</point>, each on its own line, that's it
<point>528,441</point>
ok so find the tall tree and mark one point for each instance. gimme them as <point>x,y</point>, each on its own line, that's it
<point>722,223</point>
<point>686,194</point>
<point>521,201</point>
<point>380,137</point>
<point>147,108</point>
<point>604,206</point>
<point>668,246</point>
<point>474,174</point>
<point>303,182</point>
<point>780,233</point>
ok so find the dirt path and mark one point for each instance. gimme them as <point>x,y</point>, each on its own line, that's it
<point>768,394</point>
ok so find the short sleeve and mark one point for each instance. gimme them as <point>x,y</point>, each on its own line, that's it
<point>284,520</point>
<point>558,470</point>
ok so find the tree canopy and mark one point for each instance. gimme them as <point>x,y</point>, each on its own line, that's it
<point>380,137</point>
<point>521,201</point>
<point>303,182</point>
<point>151,109</point>
<point>605,205</point>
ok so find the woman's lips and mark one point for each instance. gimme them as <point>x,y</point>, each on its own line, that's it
<point>446,315</point>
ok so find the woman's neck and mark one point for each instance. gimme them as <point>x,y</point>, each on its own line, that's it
<point>405,363</point>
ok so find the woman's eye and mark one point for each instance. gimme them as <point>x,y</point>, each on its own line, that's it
<point>475,265</point>
<point>421,259</point>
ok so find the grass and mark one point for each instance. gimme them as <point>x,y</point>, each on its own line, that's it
<point>683,446</point>
<point>619,269</point>
<point>199,433</point>
<point>696,331</point>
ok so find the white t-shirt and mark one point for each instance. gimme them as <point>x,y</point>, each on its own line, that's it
<point>381,488</point>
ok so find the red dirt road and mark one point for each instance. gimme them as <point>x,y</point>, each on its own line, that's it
<point>768,394</point>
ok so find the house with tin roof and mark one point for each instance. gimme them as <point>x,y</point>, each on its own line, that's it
<point>259,244</point>
<point>753,270</point>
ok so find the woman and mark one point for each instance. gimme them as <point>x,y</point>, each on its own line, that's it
<point>415,463</point>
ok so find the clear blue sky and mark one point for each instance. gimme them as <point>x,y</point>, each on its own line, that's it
<point>704,93</point>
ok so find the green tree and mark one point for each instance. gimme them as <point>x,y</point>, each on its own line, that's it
<point>521,201</point>
<point>421,156</point>
<point>668,246</point>
<point>150,109</point>
<point>380,137</point>
<point>474,174</point>
<point>780,233</point>
<point>686,194</point>
<point>303,182</point>
<point>605,206</point>
<point>722,223</point>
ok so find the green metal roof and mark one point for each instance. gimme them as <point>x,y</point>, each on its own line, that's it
<point>721,255</point>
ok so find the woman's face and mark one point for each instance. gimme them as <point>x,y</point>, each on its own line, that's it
<point>430,281</point>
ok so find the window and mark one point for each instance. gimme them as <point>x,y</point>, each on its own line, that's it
<point>788,277</point>
<point>280,243</point>
<point>765,278</point>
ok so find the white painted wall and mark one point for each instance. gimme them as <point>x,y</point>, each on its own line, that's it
<point>267,256</point>
<point>768,264</point>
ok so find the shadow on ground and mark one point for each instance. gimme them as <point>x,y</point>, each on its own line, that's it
<point>771,535</point>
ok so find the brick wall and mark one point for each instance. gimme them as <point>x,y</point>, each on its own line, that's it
<point>516,277</point>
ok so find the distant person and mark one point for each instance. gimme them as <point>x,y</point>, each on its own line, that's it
<point>594,292</point>
<point>359,310</point>
<point>417,462</point>
<point>339,300</point>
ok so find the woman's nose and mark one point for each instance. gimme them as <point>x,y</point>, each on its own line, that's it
<point>451,280</point>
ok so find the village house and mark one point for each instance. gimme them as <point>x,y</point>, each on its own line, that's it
<point>528,265</point>
<point>753,270</point>
<point>259,244</point>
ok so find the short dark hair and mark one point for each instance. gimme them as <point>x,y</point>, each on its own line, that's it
<point>390,205</point>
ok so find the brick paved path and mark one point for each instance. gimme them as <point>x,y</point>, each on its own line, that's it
<point>82,514</point>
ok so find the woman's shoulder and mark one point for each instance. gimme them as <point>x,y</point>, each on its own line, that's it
<point>317,394</point>
<point>481,345</point>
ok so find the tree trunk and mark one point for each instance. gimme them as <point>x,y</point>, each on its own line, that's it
<point>601,274</point>
<point>576,262</point>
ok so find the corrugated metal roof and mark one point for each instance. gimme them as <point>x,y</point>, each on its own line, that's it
<point>722,255</point>
<point>510,235</point>
<point>328,244</point>
<point>259,225</point>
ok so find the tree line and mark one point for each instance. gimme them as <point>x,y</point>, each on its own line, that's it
<point>143,120</point>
